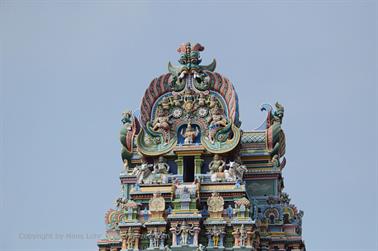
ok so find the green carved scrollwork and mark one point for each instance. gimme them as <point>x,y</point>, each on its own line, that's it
<point>223,146</point>
<point>155,146</point>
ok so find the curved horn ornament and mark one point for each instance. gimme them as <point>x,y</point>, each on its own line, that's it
<point>210,67</point>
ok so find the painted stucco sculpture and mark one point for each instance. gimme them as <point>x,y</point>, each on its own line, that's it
<point>191,178</point>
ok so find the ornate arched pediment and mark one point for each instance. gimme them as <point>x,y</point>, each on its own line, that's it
<point>189,105</point>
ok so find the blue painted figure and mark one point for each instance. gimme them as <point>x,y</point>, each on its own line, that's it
<point>137,187</point>
<point>237,184</point>
<point>230,211</point>
<point>145,214</point>
<point>204,212</point>
<point>169,210</point>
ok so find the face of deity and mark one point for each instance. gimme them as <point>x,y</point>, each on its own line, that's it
<point>216,157</point>
<point>161,159</point>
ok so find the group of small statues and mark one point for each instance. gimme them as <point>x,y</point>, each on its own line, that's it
<point>159,174</point>
<point>130,240</point>
<point>157,238</point>
<point>219,173</point>
<point>189,105</point>
<point>219,170</point>
<point>240,236</point>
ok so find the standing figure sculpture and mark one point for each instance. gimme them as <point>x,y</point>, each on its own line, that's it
<point>189,134</point>
<point>216,122</point>
<point>184,230</point>
<point>161,124</point>
<point>142,171</point>
<point>243,236</point>
<point>216,236</point>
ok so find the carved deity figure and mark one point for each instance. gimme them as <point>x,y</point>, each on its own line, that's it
<point>161,124</point>
<point>216,235</point>
<point>213,103</point>
<point>217,164</point>
<point>154,236</point>
<point>236,235</point>
<point>177,100</point>
<point>161,169</point>
<point>188,105</point>
<point>161,166</point>
<point>216,167</point>
<point>142,171</point>
<point>243,236</point>
<point>130,239</point>
<point>165,103</point>
<point>216,122</point>
<point>185,230</point>
<point>230,211</point>
<point>201,100</point>
<point>189,134</point>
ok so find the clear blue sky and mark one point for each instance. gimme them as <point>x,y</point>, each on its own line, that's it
<point>69,68</point>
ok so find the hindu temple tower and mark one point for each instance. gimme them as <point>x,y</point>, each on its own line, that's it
<point>192,178</point>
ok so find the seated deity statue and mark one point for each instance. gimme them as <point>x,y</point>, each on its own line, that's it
<point>189,134</point>
<point>217,164</point>
<point>177,100</point>
<point>161,169</point>
<point>201,100</point>
<point>216,167</point>
<point>213,103</point>
<point>165,103</point>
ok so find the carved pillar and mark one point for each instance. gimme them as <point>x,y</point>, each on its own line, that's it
<point>197,163</point>
<point>174,239</point>
<point>136,241</point>
<point>195,237</point>
<point>124,241</point>
<point>249,237</point>
<point>180,164</point>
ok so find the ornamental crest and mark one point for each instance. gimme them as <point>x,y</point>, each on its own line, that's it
<point>215,204</point>
<point>157,206</point>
